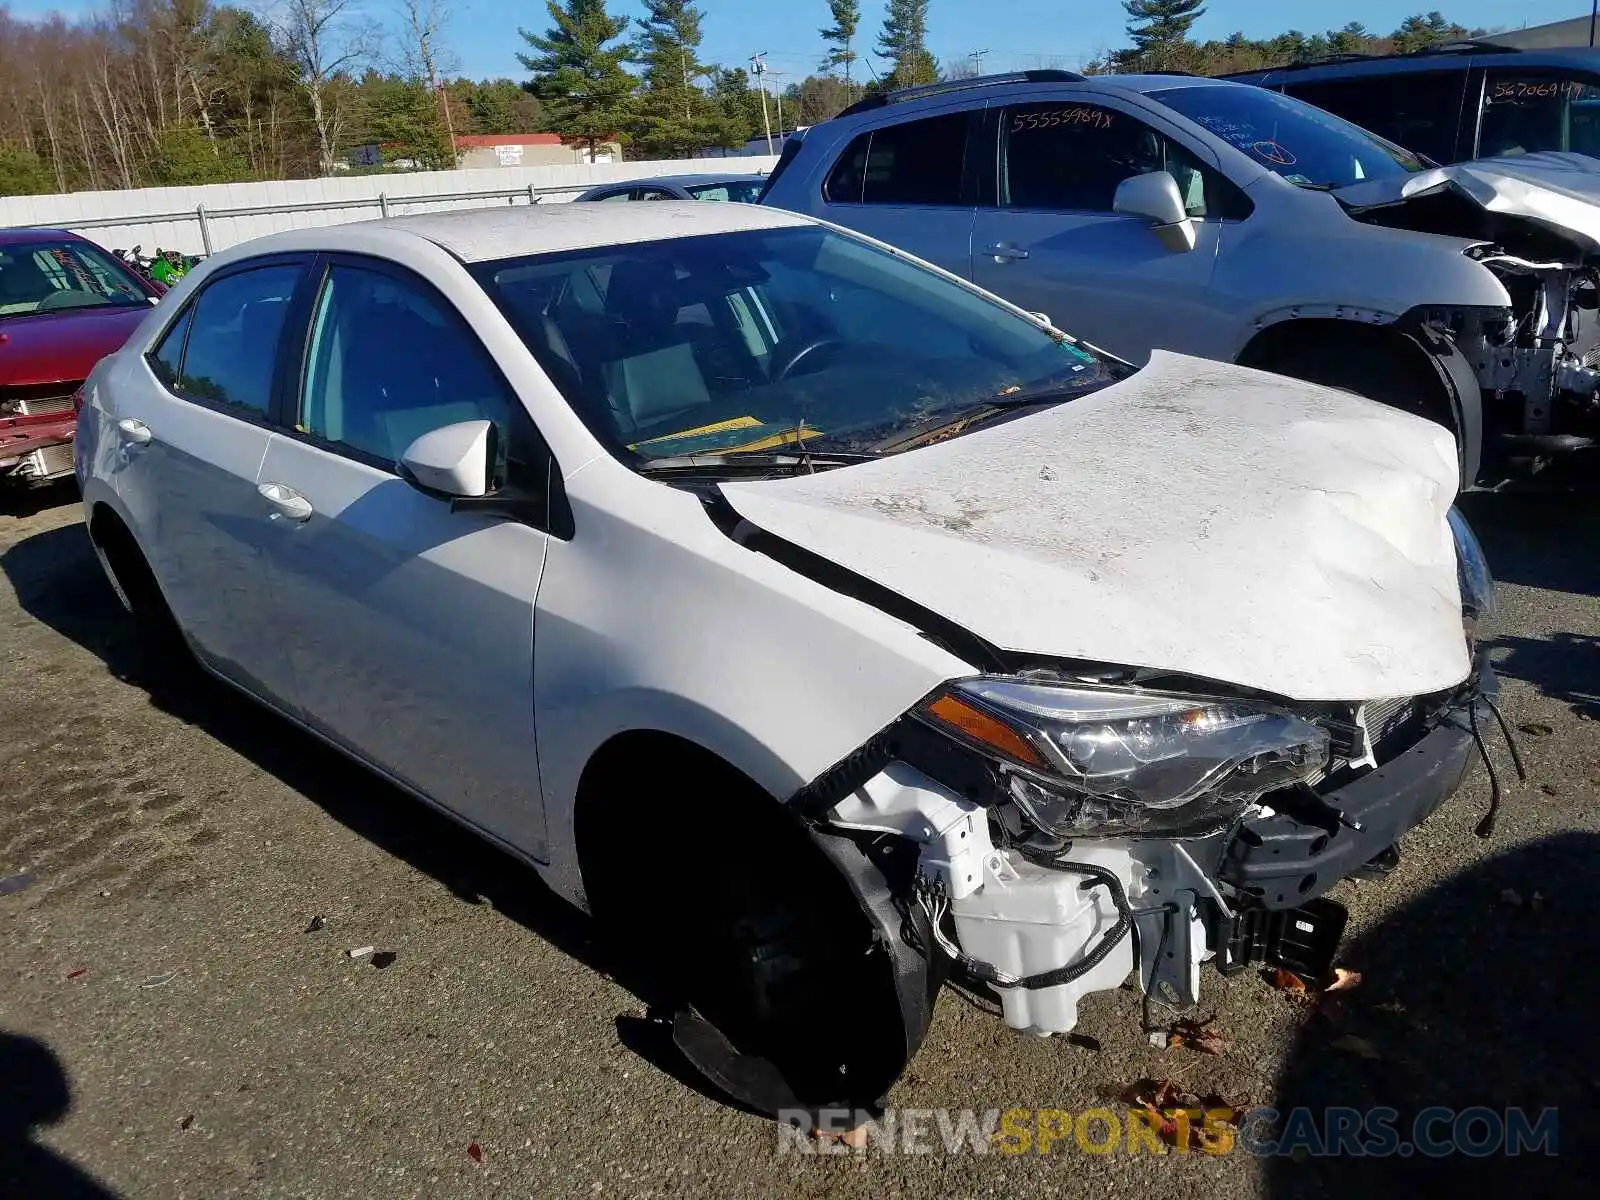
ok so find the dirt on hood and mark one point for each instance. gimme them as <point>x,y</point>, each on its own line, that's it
<point>1198,517</point>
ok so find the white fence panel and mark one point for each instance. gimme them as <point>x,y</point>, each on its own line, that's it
<point>171,217</point>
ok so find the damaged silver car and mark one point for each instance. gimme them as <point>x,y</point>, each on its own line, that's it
<point>1238,224</point>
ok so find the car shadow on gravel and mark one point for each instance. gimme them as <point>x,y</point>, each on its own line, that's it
<point>34,1093</point>
<point>30,502</point>
<point>1546,539</point>
<point>58,581</point>
<point>1477,995</point>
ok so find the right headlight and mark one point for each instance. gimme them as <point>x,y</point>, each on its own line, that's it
<point>1085,761</point>
<point>1472,570</point>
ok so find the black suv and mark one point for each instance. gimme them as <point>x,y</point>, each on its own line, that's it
<point>1457,101</point>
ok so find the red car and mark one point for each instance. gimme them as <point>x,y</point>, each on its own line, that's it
<point>64,304</point>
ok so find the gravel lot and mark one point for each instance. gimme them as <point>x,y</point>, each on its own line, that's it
<point>169,1026</point>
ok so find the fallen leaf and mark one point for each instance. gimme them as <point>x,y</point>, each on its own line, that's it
<point>1359,1046</point>
<point>1343,980</point>
<point>1198,1036</point>
<point>1511,898</point>
<point>78,972</point>
<point>475,1152</point>
<point>855,1138</point>
<point>1536,728</point>
<point>186,1122</point>
<point>1287,981</point>
<point>317,922</point>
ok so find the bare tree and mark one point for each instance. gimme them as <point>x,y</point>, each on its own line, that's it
<point>325,39</point>
<point>427,58</point>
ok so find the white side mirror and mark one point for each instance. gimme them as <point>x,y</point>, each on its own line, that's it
<point>1155,198</point>
<point>453,460</point>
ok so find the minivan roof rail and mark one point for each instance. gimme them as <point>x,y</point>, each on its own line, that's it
<point>901,95</point>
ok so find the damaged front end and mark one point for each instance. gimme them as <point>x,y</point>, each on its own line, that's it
<point>1074,826</point>
<point>1533,222</point>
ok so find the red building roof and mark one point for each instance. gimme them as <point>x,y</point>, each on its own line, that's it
<point>481,141</point>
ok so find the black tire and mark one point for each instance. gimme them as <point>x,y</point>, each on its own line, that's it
<point>133,575</point>
<point>740,918</point>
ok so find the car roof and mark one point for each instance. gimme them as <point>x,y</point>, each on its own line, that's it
<point>15,237</point>
<point>479,235</point>
<point>697,180</point>
<point>1457,57</point>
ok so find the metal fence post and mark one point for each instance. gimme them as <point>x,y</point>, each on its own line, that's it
<point>205,227</point>
<point>383,204</point>
<point>533,196</point>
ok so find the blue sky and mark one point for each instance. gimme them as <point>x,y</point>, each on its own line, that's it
<point>1017,33</point>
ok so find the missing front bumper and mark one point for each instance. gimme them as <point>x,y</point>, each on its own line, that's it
<point>1281,861</point>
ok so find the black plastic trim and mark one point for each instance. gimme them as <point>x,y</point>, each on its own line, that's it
<point>1282,861</point>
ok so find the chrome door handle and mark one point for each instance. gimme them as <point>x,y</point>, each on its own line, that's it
<point>133,431</point>
<point>286,502</point>
<point>1005,251</point>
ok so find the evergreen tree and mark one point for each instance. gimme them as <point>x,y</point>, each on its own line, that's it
<point>904,41</point>
<point>842,35</point>
<point>739,104</point>
<point>578,76</point>
<point>1160,32</point>
<point>673,115</point>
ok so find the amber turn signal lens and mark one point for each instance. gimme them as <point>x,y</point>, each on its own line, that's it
<point>978,726</point>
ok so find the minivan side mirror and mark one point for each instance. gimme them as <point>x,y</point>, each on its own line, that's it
<point>453,460</point>
<point>1155,198</point>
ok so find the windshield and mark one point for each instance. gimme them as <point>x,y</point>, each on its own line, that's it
<point>41,277</point>
<point>1305,145</point>
<point>740,191</point>
<point>746,342</point>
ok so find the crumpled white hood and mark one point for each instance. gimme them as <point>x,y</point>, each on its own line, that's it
<point>1558,190</point>
<point>1198,517</point>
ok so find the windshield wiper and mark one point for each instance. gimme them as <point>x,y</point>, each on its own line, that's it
<point>965,418</point>
<point>691,463</point>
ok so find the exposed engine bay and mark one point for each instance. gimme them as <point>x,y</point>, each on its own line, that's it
<point>1533,222</point>
<point>1018,899</point>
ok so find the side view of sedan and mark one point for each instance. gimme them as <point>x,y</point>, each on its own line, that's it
<point>818,620</point>
<point>737,189</point>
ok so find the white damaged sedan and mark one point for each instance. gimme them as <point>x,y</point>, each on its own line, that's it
<point>820,622</point>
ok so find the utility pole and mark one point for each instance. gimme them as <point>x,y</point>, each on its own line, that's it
<point>758,68</point>
<point>978,56</point>
<point>778,95</point>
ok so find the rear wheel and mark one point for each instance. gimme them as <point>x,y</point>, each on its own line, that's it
<point>132,576</point>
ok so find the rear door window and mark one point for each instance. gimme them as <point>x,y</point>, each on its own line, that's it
<point>231,348</point>
<point>917,162</point>
<point>1419,110</point>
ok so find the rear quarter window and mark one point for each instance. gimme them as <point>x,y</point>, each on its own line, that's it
<point>916,162</point>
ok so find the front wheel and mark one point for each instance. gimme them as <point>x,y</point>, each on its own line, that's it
<point>787,992</point>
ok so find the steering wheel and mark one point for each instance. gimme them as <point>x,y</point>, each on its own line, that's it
<point>66,298</point>
<point>810,348</point>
